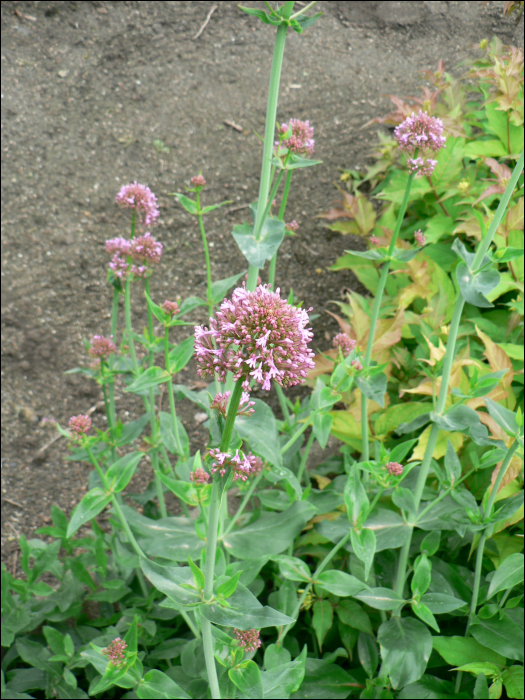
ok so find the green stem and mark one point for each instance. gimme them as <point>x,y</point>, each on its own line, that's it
<point>151,354</point>
<point>171,395</point>
<point>365,449</point>
<point>244,503</point>
<point>209,295</point>
<point>305,9</point>
<point>282,401</point>
<point>481,545</point>
<point>296,436</point>
<point>114,314</point>
<point>439,202</point>
<point>269,132</point>
<point>304,457</point>
<point>211,546</point>
<point>129,328</point>
<point>273,263</point>
<point>447,367</point>
<point>284,630</point>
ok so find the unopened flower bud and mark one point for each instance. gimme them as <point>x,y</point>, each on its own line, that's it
<point>79,425</point>
<point>292,226</point>
<point>394,468</point>
<point>199,476</point>
<point>115,651</point>
<point>374,240</point>
<point>248,639</point>
<point>198,181</point>
<point>142,199</point>
<point>357,365</point>
<point>171,308</point>
<point>344,343</point>
<point>101,347</point>
<point>420,238</point>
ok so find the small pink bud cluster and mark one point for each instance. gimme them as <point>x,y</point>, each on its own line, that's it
<point>248,639</point>
<point>199,476</point>
<point>423,132</point>
<point>242,465</point>
<point>142,199</point>
<point>115,651</point>
<point>357,365</point>
<point>394,468</point>
<point>220,404</point>
<point>420,238</point>
<point>101,347</point>
<point>79,425</point>
<point>198,181</point>
<point>344,343</point>
<point>144,250</point>
<point>256,334</point>
<point>374,240</point>
<point>171,308</point>
<point>301,139</point>
<point>293,226</point>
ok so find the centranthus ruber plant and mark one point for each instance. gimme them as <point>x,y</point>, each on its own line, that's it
<point>252,565</point>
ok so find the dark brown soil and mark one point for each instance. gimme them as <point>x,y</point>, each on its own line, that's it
<point>89,90</point>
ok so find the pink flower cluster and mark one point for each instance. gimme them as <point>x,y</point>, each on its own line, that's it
<point>198,181</point>
<point>248,639</point>
<point>420,238</point>
<point>101,347</point>
<point>357,365</point>
<point>171,308</point>
<point>79,425</point>
<point>256,334</point>
<point>301,139</point>
<point>292,227</point>
<point>394,468</point>
<point>200,476</point>
<point>142,199</point>
<point>344,343</point>
<point>374,240</point>
<point>115,651</point>
<point>242,465</point>
<point>144,250</point>
<point>220,404</point>
<point>423,132</point>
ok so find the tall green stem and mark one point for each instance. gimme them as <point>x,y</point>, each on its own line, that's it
<point>243,505</point>
<point>304,458</point>
<point>209,295</point>
<point>171,394</point>
<point>365,449</point>
<point>447,367</point>
<point>269,133</point>
<point>129,327</point>
<point>114,314</point>
<point>212,533</point>
<point>296,436</point>
<point>284,201</point>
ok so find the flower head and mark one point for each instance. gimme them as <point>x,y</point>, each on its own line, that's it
<point>115,651</point>
<point>101,347</point>
<point>145,249</point>
<point>420,238</point>
<point>243,465</point>
<point>171,308</point>
<point>292,226</point>
<point>357,365</point>
<point>301,139</point>
<point>394,468</point>
<point>374,240</point>
<point>198,181</point>
<point>79,425</point>
<point>220,404</point>
<point>423,167</point>
<point>256,334</point>
<point>248,639</point>
<point>344,343</point>
<point>200,476</point>
<point>142,199</point>
<point>119,245</point>
<point>420,131</point>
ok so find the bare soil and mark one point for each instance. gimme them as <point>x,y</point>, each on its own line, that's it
<point>97,94</point>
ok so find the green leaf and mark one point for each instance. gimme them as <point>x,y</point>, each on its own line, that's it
<point>293,568</point>
<point>275,655</point>
<point>322,425</point>
<point>509,574</point>
<point>458,417</point>
<point>422,575</point>
<point>425,615</point>
<point>304,22</point>
<point>198,575</point>
<point>89,507</point>
<point>283,679</point>
<point>167,435</point>
<point>271,534</point>
<point>474,287</point>
<point>364,546</point>
<point>373,254</point>
<point>181,355</point>
<point>513,681</point>
<point>339,583</point>
<point>380,598</point>
<point>257,252</point>
<point>249,618</point>
<point>481,688</point>
<point>322,619</point>
<point>188,204</point>
<point>374,388</point>
<point>502,635</point>
<point>404,499</point>
<point>220,288</point>
<point>264,17</point>
<point>406,645</point>
<point>368,653</point>
<point>458,651</point>
<point>476,667</point>
<point>247,678</point>
<point>295,161</point>
<point>170,579</point>
<point>352,614</point>
<point>441,603</point>
<point>213,207</point>
<point>157,684</point>
<point>452,464</point>
<point>36,655</point>
<point>325,680</point>
<point>151,378</point>
<point>120,472</point>
<point>260,429</point>
<point>491,148</point>
<point>355,496</point>
<point>190,304</point>
<point>229,587</point>
<point>504,418</point>
<point>430,543</point>
<point>499,125</point>
<point>430,687</point>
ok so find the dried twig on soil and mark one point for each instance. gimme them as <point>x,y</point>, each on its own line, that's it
<point>13,503</point>
<point>233,125</point>
<point>204,25</point>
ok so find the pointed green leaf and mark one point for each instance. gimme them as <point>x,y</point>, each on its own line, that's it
<point>322,619</point>
<point>406,645</point>
<point>89,507</point>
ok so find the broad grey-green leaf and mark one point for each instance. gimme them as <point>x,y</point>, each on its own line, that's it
<point>260,429</point>
<point>169,580</point>
<point>257,252</point>
<point>406,645</point>
<point>509,574</point>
